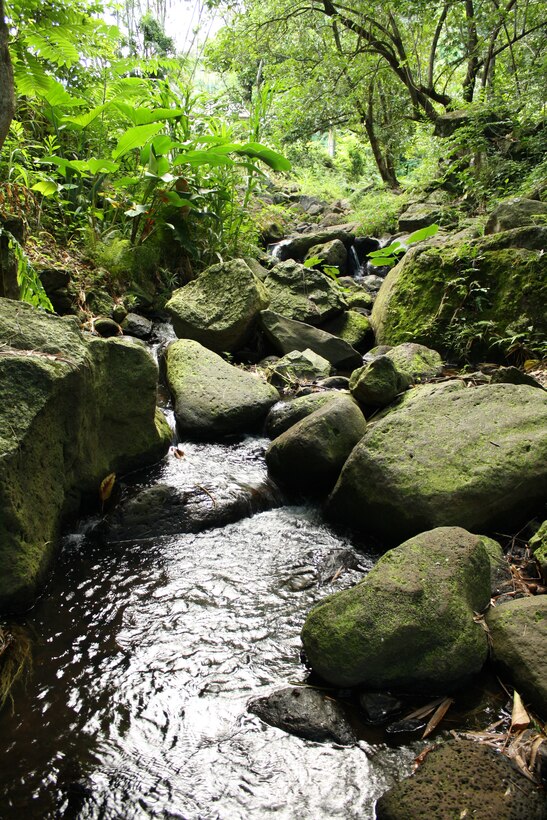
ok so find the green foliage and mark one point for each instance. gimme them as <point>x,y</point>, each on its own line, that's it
<point>390,255</point>
<point>31,289</point>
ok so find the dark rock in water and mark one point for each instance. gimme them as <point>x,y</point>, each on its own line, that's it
<point>334,383</point>
<point>138,326</point>
<point>463,779</point>
<point>167,510</point>
<point>379,706</point>
<point>371,283</point>
<point>296,247</point>
<point>364,245</point>
<point>305,712</point>
<point>107,327</point>
<point>403,727</point>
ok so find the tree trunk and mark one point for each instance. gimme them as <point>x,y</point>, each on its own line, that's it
<point>384,160</point>
<point>7,94</point>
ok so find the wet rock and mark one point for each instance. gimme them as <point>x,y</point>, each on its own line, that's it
<point>372,283</point>
<point>377,383</point>
<point>305,712</point>
<point>448,455</point>
<point>379,706</point>
<point>296,247</point>
<point>519,639</point>
<point>463,779</point>
<point>106,327</point>
<point>166,510</point>
<point>298,366</point>
<point>219,309</point>
<point>211,396</point>
<point>286,335</point>
<point>304,294</point>
<point>501,577</point>
<point>78,407</point>
<point>352,327</point>
<point>309,455</point>
<point>138,326</point>
<point>284,415</point>
<point>419,215</point>
<point>515,213</point>
<point>334,383</point>
<point>408,626</point>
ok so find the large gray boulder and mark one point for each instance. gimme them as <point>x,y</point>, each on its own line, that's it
<point>448,455</point>
<point>304,294</point>
<point>377,383</point>
<point>416,362</point>
<point>73,408</point>
<point>409,624</point>
<point>287,334</point>
<point>333,253</point>
<point>353,328</point>
<point>309,455</point>
<point>419,215</point>
<point>298,366</point>
<point>518,631</point>
<point>212,397</point>
<point>296,247</point>
<point>219,309</point>
<point>515,213</point>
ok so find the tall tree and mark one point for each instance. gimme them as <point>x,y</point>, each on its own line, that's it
<point>7,92</point>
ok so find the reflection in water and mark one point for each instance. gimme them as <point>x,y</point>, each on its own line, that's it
<point>147,655</point>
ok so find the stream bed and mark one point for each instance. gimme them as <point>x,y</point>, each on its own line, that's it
<point>147,652</point>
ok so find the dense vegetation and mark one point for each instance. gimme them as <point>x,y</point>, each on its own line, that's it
<point>111,148</point>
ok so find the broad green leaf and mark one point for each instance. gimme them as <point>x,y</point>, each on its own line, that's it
<point>135,138</point>
<point>422,233</point>
<point>381,262</point>
<point>137,210</point>
<point>83,120</point>
<point>144,116</point>
<point>197,158</point>
<point>45,187</point>
<point>275,161</point>
<point>395,247</point>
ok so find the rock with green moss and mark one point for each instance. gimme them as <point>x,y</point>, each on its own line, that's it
<point>284,414</point>
<point>360,298</point>
<point>377,383</point>
<point>415,362</point>
<point>73,408</point>
<point>516,213</point>
<point>304,294</point>
<point>408,625</point>
<point>463,779</point>
<point>299,366</point>
<point>332,253</point>
<point>219,309</point>
<point>419,215</point>
<point>467,298</point>
<point>518,630</point>
<point>448,455</point>
<point>212,397</point>
<point>353,328</point>
<point>286,335</point>
<point>309,455</point>
<point>296,247</point>
<point>538,543</point>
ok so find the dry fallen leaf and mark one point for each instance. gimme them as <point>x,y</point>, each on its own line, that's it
<point>438,715</point>
<point>520,719</point>
<point>106,487</point>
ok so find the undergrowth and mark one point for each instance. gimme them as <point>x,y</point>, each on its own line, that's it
<point>15,660</point>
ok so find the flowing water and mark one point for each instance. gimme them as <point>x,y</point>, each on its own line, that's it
<point>146,654</point>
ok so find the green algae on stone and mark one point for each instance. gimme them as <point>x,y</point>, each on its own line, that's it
<point>518,631</point>
<point>409,624</point>
<point>213,397</point>
<point>377,383</point>
<point>284,415</point>
<point>538,543</point>
<point>448,456</point>
<point>303,294</point>
<point>352,327</point>
<point>465,298</point>
<point>219,309</point>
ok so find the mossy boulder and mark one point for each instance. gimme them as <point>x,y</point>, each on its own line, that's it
<point>377,383</point>
<point>284,414</point>
<point>448,455</point>
<point>515,213</point>
<point>299,366</point>
<point>73,408</point>
<point>419,215</point>
<point>463,779</point>
<point>286,335</point>
<point>332,253</point>
<point>212,397</point>
<point>465,298</point>
<point>415,362</point>
<point>296,247</point>
<point>219,309</point>
<point>518,630</point>
<point>304,294</point>
<point>309,455</point>
<point>360,298</point>
<point>409,624</point>
<point>353,328</point>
